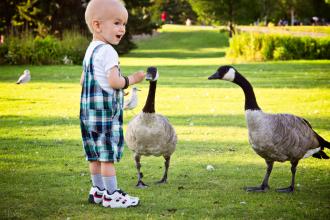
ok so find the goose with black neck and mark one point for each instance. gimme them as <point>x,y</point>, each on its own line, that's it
<point>150,133</point>
<point>275,137</point>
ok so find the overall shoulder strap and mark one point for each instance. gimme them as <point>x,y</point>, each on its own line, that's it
<point>90,64</point>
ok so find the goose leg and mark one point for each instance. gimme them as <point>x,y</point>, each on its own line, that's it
<point>293,171</point>
<point>167,164</point>
<point>140,183</point>
<point>264,185</point>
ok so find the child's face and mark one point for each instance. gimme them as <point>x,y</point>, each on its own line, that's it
<point>113,27</point>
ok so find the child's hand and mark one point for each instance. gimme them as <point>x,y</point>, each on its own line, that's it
<point>138,76</point>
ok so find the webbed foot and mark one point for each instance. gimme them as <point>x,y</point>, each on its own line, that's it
<point>141,185</point>
<point>261,188</point>
<point>289,189</point>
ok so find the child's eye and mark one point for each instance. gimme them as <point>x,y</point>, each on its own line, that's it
<point>117,23</point>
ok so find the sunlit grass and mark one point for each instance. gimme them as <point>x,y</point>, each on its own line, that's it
<point>43,174</point>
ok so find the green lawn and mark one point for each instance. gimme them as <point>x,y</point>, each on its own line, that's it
<point>43,173</point>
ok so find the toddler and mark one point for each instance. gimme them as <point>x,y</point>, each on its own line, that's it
<point>101,113</point>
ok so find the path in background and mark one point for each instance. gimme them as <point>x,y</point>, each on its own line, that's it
<point>282,30</point>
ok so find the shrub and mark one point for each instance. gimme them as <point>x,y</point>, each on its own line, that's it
<point>20,49</point>
<point>3,53</point>
<point>27,49</point>
<point>255,46</point>
<point>46,51</point>
<point>73,46</point>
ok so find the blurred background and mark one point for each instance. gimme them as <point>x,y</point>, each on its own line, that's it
<point>54,31</point>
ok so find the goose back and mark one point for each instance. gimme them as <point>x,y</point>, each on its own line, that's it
<point>279,137</point>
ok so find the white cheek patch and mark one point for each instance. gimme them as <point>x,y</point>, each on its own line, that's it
<point>230,75</point>
<point>157,76</point>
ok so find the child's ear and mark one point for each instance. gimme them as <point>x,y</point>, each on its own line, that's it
<point>96,26</point>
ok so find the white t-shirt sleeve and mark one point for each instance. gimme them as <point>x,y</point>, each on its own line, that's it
<point>105,58</point>
<point>110,58</point>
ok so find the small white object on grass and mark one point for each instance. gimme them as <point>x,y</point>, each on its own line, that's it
<point>209,167</point>
<point>24,78</point>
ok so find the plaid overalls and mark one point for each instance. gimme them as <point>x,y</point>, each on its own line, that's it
<point>101,118</point>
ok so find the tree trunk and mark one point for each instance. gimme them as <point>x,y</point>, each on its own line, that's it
<point>292,16</point>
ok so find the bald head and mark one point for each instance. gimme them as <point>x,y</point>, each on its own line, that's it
<point>102,10</point>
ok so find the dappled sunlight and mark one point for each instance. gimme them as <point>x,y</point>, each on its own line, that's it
<point>133,61</point>
<point>40,140</point>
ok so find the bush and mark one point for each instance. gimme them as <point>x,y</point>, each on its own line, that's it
<point>20,49</point>
<point>73,46</point>
<point>46,51</point>
<point>258,47</point>
<point>27,49</point>
<point>3,53</point>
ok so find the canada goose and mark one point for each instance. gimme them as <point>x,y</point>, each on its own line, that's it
<point>274,137</point>
<point>24,78</point>
<point>149,133</point>
<point>132,102</point>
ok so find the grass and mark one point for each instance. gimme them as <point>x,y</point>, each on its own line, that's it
<point>43,174</point>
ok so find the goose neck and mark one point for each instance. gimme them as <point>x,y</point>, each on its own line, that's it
<point>250,98</point>
<point>149,107</point>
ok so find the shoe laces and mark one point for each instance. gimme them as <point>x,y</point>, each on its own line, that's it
<point>121,192</point>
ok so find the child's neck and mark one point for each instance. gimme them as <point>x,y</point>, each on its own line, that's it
<point>96,37</point>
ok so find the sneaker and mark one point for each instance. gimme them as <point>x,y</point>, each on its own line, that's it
<point>119,199</point>
<point>95,195</point>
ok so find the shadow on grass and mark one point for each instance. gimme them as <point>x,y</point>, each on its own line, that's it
<point>211,120</point>
<point>300,74</point>
<point>59,174</point>
<point>177,55</point>
<point>187,45</point>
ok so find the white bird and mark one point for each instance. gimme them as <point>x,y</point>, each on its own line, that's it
<point>275,137</point>
<point>24,78</point>
<point>209,167</point>
<point>149,133</point>
<point>132,102</point>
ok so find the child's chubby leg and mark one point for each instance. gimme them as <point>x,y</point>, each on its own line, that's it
<point>95,170</point>
<point>107,168</point>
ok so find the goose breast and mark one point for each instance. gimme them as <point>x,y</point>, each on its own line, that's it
<point>151,134</point>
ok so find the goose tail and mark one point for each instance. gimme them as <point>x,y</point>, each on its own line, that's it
<point>323,143</point>
<point>320,154</point>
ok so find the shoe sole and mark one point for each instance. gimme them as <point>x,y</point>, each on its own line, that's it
<point>130,206</point>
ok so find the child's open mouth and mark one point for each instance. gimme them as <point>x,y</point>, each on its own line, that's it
<point>118,37</point>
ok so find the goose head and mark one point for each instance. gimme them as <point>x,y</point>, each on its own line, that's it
<point>26,72</point>
<point>152,74</point>
<point>135,89</point>
<point>225,73</point>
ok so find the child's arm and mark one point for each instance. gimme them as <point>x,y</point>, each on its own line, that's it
<point>118,82</point>
<point>82,78</point>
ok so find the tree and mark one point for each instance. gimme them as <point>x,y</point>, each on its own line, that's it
<point>225,11</point>
<point>178,11</point>
<point>55,16</point>
<point>18,14</point>
<point>247,11</point>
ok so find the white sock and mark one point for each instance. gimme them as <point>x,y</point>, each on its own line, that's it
<point>110,183</point>
<point>97,181</point>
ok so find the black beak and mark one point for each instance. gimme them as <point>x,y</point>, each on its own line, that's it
<point>148,76</point>
<point>214,76</point>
